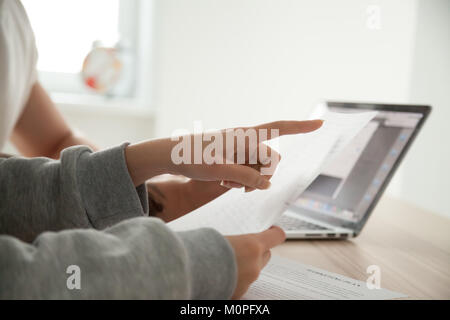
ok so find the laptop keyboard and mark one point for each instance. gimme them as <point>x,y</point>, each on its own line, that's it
<point>288,223</point>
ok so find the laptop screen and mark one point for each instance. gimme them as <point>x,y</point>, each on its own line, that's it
<point>347,187</point>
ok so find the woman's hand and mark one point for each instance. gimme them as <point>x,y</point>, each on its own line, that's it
<point>233,160</point>
<point>252,253</point>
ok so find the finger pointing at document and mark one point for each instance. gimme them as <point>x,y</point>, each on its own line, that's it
<point>237,156</point>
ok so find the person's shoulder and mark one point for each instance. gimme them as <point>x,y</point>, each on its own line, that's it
<point>2,7</point>
<point>6,6</point>
<point>15,27</point>
<point>13,8</point>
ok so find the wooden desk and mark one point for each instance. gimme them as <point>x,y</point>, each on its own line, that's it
<point>410,245</point>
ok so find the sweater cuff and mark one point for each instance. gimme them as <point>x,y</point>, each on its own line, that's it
<point>106,189</point>
<point>211,262</point>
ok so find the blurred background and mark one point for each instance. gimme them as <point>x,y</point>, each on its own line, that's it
<point>238,62</point>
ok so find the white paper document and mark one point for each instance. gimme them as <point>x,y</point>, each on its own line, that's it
<point>303,158</point>
<point>284,279</point>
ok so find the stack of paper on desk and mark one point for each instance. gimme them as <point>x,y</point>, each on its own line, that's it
<point>284,279</point>
<point>303,157</point>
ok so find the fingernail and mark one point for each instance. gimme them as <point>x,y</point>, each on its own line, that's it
<point>224,184</point>
<point>249,189</point>
<point>263,183</point>
<point>230,185</point>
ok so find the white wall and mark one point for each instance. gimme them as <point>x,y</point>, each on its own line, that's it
<point>426,171</point>
<point>231,62</point>
<point>228,62</point>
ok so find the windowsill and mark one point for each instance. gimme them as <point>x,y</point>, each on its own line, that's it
<point>100,105</point>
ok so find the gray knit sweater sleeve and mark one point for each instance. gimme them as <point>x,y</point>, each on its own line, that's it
<point>49,213</point>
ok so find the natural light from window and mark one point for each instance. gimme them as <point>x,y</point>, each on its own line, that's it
<point>65,30</point>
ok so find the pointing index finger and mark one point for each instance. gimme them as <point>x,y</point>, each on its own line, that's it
<point>290,126</point>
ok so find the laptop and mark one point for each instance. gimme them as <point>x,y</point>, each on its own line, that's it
<point>340,200</point>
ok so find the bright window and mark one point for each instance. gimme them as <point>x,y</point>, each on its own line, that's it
<point>65,31</point>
